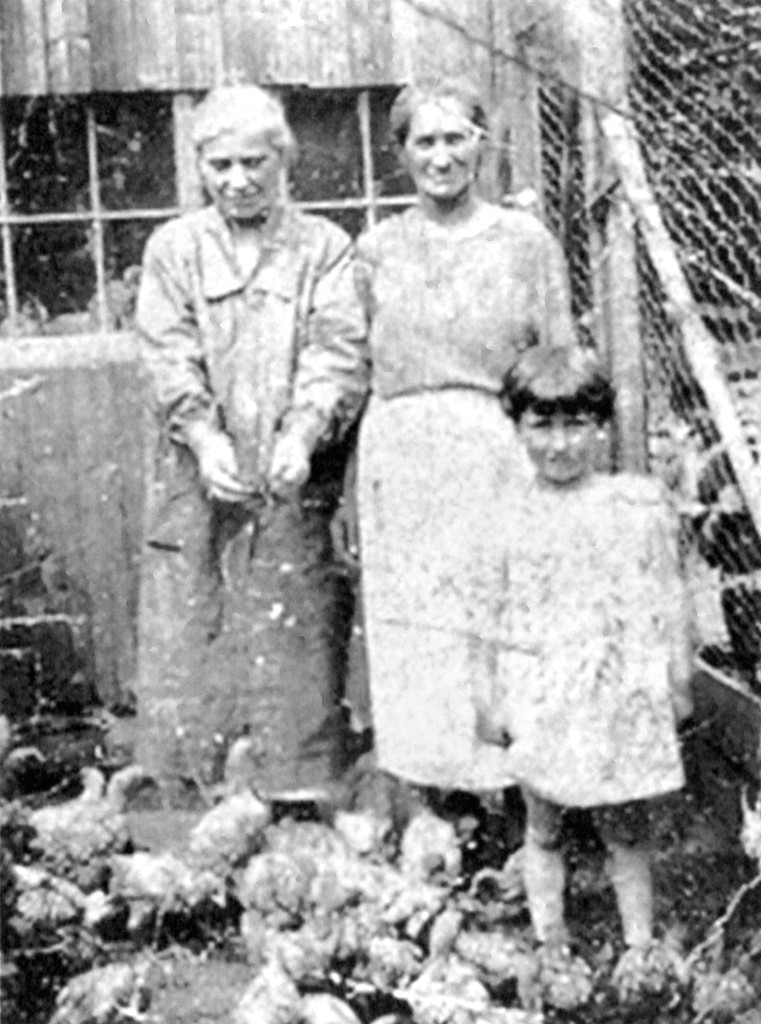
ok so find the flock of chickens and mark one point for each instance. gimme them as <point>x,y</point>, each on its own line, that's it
<point>342,923</point>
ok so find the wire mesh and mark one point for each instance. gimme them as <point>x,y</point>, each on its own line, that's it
<point>694,86</point>
<point>563,186</point>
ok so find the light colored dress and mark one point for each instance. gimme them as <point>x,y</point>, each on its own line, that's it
<point>593,667</point>
<point>449,314</point>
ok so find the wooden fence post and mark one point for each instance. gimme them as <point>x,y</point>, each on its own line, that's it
<point>613,256</point>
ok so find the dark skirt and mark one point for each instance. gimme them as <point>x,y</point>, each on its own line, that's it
<point>243,629</point>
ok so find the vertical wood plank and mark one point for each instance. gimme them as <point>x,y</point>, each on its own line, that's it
<point>517,111</point>
<point>442,38</point>
<point>369,42</point>
<point>285,25</point>
<point>625,339</point>
<point>326,33</point>
<point>598,31</point>
<point>247,31</point>
<point>23,34</point>
<point>157,56</point>
<point>200,44</point>
<point>73,446</point>
<point>68,46</point>
<point>113,42</point>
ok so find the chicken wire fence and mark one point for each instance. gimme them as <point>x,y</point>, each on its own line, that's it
<point>694,85</point>
<point>694,89</point>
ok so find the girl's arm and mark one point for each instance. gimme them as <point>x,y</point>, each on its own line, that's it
<point>680,622</point>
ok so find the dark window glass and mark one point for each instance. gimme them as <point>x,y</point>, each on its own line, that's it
<point>352,221</point>
<point>329,161</point>
<point>55,275</point>
<point>124,242</point>
<point>46,155</point>
<point>390,178</point>
<point>136,164</point>
<point>391,211</point>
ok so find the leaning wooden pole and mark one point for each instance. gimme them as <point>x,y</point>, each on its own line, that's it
<point>700,347</point>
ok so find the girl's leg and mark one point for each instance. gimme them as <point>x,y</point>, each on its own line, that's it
<point>632,881</point>
<point>624,829</point>
<point>544,870</point>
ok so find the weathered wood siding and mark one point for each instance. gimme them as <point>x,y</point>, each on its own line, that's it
<point>62,46</point>
<point>71,443</point>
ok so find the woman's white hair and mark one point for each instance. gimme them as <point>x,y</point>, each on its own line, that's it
<point>247,107</point>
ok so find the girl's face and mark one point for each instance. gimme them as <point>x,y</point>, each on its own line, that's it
<point>442,150</point>
<point>563,447</point>
<point>242,173</point>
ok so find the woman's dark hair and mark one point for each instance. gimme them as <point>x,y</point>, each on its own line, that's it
<point>412,96</point>
<point>549,379</point>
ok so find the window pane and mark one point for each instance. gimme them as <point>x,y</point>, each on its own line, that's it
<point>46,154</point>
<point>124,244</point>
<point>382,212</point>
<point>352,221</point>
<point>329,161</point>
<point>389,177</point>
<point>55,277</point>
<point>135,151</point>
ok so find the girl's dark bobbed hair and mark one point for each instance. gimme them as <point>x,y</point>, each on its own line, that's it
<point>415,94</point>
<point>552,378</point>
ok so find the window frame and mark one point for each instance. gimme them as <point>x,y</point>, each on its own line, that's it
<point>188,192</point>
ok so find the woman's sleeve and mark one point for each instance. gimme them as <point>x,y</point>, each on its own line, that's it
<point>556,325</point>
<point>170,343</point>
<point>331,378</point>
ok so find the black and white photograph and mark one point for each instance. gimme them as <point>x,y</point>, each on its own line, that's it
<point>380,511</point>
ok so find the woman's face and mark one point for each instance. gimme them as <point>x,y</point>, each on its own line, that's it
<point>242,173</point>
<point>442,150</point>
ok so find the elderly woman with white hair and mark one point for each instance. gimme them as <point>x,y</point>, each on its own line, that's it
<point>253,345</point>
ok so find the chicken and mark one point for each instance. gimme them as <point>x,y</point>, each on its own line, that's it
<point>366,831</point>
<point>562,981</point>
<point>430,845</point>
<point>75,840</point>
<point>156,884</point>
<point>655,969</point>
<point>44,902</point>
<point>309,953</point>
<point>319,841</point>
<point>389,963</point>
<point>277,885</point>
<point>447,992</point>
<point>271,998</point>
<point>229,833</point>
<point>498,957</point>
<point>105,995</point>
<point>721,997</point>
<point>411,905</point>
<point>307,869</point>
<point>444,931</point>
<point>322,1008</point>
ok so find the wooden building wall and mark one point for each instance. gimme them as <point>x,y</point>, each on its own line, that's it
<point>64,46</point>
<point>71,444</point>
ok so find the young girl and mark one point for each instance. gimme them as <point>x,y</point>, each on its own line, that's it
<point>594,674</point>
